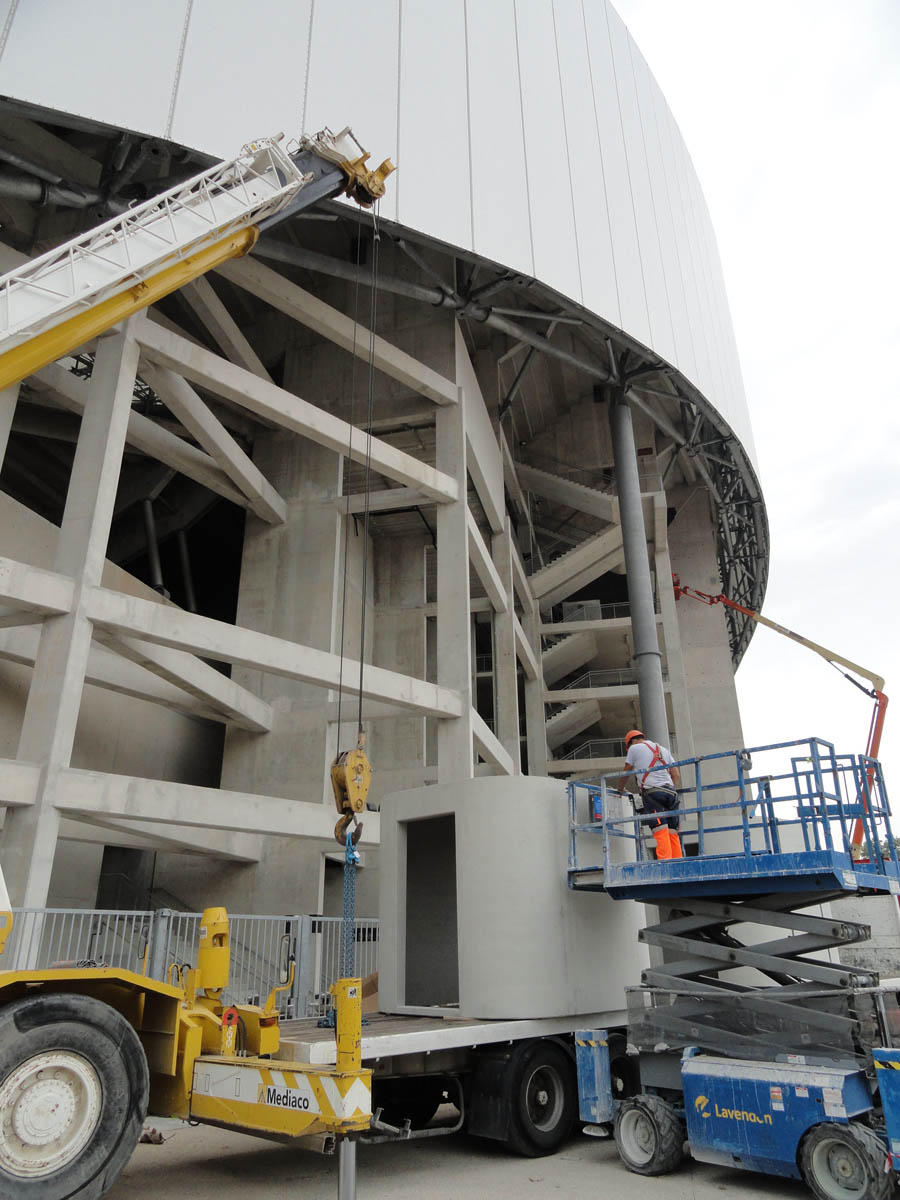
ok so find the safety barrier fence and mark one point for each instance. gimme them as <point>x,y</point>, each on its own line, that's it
<point>161,942</point>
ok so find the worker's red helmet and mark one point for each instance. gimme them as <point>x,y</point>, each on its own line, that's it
<point>631,736</point>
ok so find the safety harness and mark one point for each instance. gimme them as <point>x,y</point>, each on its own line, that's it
<point>656,761</point>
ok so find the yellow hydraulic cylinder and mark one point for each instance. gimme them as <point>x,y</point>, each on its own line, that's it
<point>348,1023</point>
<point>214,953</point>
<point>27,357</point>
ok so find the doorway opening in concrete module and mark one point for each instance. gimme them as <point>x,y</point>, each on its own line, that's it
<point>432,939</point>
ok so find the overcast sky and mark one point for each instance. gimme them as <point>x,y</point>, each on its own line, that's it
<point>791,109</point>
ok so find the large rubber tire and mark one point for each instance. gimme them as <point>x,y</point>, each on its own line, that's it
<point>542,1094</point>
<point>649,1135</point>
<point>73,1097</point>
<point>846,1162</point>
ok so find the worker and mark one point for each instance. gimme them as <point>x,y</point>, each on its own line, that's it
<point>651,765</point>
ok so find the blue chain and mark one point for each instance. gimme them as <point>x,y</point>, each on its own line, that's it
<point>348,931</point>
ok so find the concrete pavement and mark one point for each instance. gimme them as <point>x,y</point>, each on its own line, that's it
<point>211,1164</point>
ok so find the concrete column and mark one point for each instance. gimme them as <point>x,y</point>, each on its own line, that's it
<point>8,398</point>
<point>397,744</point>
<point>54,698</point>
<point>506,696</point>
<point>637,566</point>
<point>535,713</point>
<point>454,646</point>
<point>291,586</point>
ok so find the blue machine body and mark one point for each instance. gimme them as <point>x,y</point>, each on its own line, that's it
<point>596,1105</point>
<point>887,1076</point>
<point>753,1115</point>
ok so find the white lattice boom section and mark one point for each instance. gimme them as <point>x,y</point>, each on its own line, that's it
<point>149,237</point>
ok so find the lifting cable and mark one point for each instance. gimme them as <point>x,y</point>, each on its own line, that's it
<point>370,407</point>
<point>351,858</point>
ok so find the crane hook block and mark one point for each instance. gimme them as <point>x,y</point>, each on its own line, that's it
<point>351,775</point>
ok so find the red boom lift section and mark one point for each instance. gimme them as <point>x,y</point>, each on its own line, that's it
<point>844,665</point>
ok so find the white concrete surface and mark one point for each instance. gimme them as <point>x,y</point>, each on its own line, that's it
<point>474,899</point>
<point>210,1164</point>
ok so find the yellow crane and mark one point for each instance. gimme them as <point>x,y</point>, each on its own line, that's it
<point>87,1052</point>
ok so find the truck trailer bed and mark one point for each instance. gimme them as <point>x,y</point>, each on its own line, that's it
<point>386,1035</point>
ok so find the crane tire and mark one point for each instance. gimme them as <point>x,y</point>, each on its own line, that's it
<point>542,1094</point>
<point>846,1162</point>
<point>649,1135</point>
<point>73,1097</point>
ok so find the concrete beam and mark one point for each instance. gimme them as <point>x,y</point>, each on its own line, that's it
<point>20,782</point>
<point>133,617</point>
<point>213,689</point>
<point>521,584</point>
<point>572,570</point>
<point>572,495</point>
<point>524,652</point>
<point>148,835</point>
<point>487,744</point>
<point>92,794</point>
<point>485,462</point>
<point>178,395</point>
<point>480,558</point>
<point>389,500</point>
<point>33,589</point>
<point>143,434</point>
<point>17,617</point>
<point>113,673</point>
<point>290,411</point>
<point>222,327</point>
<point>294,302</point>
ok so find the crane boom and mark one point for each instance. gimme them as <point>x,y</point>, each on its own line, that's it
<point>52,304</point>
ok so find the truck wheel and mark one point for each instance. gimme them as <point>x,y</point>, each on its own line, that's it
<point>73,1097</point>
<point>846,1162</point>
<point>542,1097</point>
<point>649,1135</point>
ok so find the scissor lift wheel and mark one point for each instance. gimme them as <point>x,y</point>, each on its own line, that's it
<point>649,1135</point>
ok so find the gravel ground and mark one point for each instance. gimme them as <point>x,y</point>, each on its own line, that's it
<point>211,1164</point>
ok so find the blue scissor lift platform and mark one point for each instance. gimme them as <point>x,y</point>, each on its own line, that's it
<point>764,1052</point>
<point>772,818</point>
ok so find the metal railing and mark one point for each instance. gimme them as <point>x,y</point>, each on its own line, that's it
<point>598,748</point>
<point>594,610</point>
<point>795,798</point>
<point>153,942</point>
<point>608,677</point>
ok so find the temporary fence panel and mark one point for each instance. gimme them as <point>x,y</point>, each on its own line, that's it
<point>163,942</point>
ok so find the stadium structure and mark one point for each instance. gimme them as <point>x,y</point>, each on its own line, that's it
<point>466,437</point>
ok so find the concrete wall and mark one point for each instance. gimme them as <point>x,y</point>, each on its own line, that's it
<point>525,946</point>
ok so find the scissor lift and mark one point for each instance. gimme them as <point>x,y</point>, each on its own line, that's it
<point>751,1040</point>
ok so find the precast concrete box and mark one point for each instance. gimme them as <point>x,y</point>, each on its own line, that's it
<point>477,919</point>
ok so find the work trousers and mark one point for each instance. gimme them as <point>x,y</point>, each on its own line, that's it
<point>663,802</point>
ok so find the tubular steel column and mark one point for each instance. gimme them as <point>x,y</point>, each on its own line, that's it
<point>647,657</point>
